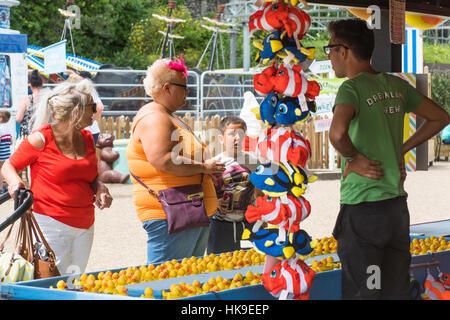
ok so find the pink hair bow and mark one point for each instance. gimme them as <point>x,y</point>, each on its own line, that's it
<point>178,66</point>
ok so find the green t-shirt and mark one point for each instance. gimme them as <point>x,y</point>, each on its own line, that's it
<point>380,102</point>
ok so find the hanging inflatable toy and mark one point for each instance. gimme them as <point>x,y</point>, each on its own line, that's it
<point>278,44</point>
<point>279,144</point>
<point>286,216</point>
<point>266,111</point>
<point>297,24</point>
<point>276,16</point>
<point>275,180</point>
<point>262,82</point>
<point>286,80</point>
<point>291,81</point>
<point>290,111</point>
<point>434,290</point>
<point>291,2</point>
<point>444,278</point>
<point>269,18</point>
<point>289,279</point>
<point>266,241</point>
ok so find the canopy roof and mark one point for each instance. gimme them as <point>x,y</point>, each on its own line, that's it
<point>439,8</point>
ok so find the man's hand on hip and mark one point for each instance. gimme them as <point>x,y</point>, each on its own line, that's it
<point>364,167</point>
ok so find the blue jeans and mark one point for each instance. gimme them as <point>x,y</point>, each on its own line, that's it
<point>162,246</point>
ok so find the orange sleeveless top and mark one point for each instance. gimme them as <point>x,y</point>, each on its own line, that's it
<point>147,206</point>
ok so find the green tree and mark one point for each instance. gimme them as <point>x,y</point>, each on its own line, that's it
<point>440,82</point>
<point>104,27</point>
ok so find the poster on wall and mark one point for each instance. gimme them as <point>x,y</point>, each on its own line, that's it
<point>5,82</point>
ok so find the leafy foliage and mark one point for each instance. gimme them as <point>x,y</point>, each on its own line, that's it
<point>440,82</point>
<point>436,53</point>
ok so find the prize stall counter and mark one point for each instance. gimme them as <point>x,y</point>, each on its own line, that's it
<point>326,286</point>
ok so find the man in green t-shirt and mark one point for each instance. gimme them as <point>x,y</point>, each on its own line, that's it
<point>372,228</point>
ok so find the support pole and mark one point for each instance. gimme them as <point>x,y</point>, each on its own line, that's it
<point>386,57</point>
<point>246,46</point>
<point>213,51</point>
<point>233,50</point>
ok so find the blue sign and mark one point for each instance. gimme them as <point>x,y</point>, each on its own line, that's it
<point>55,58</point>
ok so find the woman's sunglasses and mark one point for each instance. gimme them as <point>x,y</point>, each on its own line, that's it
<point>94,107</point>
<point>180,85</point>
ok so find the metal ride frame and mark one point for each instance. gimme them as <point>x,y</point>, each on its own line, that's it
<point>205,98</point>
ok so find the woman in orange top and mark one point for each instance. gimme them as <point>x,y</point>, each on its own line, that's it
<point>163,153</point>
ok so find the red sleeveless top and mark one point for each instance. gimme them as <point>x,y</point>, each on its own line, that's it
<point>60,185</point>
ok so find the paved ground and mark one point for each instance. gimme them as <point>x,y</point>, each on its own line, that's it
<point>120,240</point>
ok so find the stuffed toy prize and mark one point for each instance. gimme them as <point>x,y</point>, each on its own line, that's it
<point>278,16</point>
<point>275,180</point>
<point>289,279</point>
<point>278,44</point>
<point>273,211</point>
<point>266,111</point>
<point>279,144</point>
<point>267,241</point>
<point>291,81</point>
<point>262,82</point>
<point>290,111</point>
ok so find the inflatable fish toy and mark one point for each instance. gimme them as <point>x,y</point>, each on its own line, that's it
<point>279,144</point>
<point>273,211</point>
<point>278,44</point>
<point>275,180</point>
<point>444,278</point>
<point>297,23</point>
<point>262,82</point>
<point>270,18</point>
<point>277,16</point>
<point>291,2</point>
<point>434,290</point>
<point>266,241</point>
<point>269,48</point>
<point>287,80</point>
<point>290,112</point>
<point>290,81</point>
<point>289,279</point>
<point>266,111</point>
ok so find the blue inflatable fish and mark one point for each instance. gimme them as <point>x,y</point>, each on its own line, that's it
<point>266,111</point>
<point>274,179</point>
<point>289,111</point>
<point>279,44</point>
<point>266,241</point>
<point>269,48</point>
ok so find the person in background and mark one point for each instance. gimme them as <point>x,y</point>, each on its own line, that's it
<point>94,128</point>
<point>233,187</point>
<point>63,168</point>
<point>445,135</point>
<point>27,106</point>
<point>372,228</point>
<point>6,134</point>
<point>164,152</point>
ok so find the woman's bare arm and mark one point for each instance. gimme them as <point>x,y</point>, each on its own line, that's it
<point>155,133</point>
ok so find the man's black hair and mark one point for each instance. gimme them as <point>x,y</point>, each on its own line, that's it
<point>355,34</point>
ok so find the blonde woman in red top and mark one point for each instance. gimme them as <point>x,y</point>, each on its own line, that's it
<point>63,166</point>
